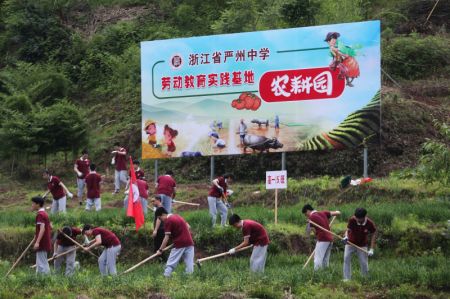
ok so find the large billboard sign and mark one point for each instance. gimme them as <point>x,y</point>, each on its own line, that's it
<point>311,88</point>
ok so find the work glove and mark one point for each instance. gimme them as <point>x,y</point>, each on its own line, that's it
<point>221,189</point>
<point>232,251</point>
<point>370,252</point>
<point>70,195</point>
<point>228,205</point>
<point>344,240</point>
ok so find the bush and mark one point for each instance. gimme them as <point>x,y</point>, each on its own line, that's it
<point>416,57</point>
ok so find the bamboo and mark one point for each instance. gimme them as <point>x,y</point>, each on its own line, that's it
<point>62,254</point>
<point>145,260</point>
<point>222,254</point>
<point>78,244</point>
<point>336,235</point>
<point>20,257</point>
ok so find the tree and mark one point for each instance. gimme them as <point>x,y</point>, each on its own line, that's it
<point>63,128</point>
<point>299,12</point>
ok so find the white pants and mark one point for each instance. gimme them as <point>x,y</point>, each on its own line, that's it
<point>97,202</point>
<point>119,177</point>
<point>59,205</point>
<point>176,254</point>
<point>42,266</point>
<point>258,258</point>
<point>322,254</point>
<point>70,259</point>
<point>362,257</point>
<point>166,202</point>
<point>215,204</point>
<point>80,188</point>
<point>107,260</point>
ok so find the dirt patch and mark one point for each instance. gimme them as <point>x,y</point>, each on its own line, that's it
<point>157,296</point>
<point>201,200</point>
<point>231,295</point>
<point>98,18</point>
<point>114,204</point>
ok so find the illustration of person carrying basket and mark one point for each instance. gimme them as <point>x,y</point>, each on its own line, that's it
<point>343,58</point>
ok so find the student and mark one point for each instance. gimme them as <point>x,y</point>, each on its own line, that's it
<point>358,228</point>
<point>81,168</point>
<point>119,160</point>
<point>177,228</point>
<point>166,189</point>
<point>242,131</point>
<point>217,198</point>
<point>158,226</point>
<point>63,244</point>
<point>219,143</point>
<point>256,235</point>
<point>143,193</point>
<point>140,175</point>
<point>324,240</point>
<point>93,181</point>
<point>106,238</point>
<point>58,191</point>
<point>42,236</point>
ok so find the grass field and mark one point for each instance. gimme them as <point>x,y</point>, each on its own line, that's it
<point>411,258</point>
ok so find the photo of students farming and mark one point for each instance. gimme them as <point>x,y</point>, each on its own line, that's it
<point>224,149</point>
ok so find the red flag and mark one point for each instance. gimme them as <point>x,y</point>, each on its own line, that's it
<point>134,208</point>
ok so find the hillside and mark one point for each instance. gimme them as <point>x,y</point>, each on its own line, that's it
<point>80,59</point>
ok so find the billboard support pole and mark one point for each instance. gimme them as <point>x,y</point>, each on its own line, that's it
<point>283,161</point>
<point>156,170</point>
<point>211,175</point>
<point>365,156</point>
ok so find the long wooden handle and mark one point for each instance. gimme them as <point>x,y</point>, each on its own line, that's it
<point>20,257</point>
<point>312,253</point>
<point>336,235</point>
<point>78,244</point>
<point>62,254</point>
<point>186,203</point>
<point>145,260</point>
<point>222,254</point>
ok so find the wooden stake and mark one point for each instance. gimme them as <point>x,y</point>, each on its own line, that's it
<point>62,254</point>
<point>20,257</point>
<point>276,206</point>
<point>145,260</point>
<point>186,203</point>
<point>78,244</point>
<point>336,235</point>
<point>312,253</point>
<point>222,254</point>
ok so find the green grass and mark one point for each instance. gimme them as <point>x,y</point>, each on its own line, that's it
<point>428,274</point>
<point>411,257</point>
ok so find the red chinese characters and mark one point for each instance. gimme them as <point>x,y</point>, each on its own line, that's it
<point>300,85</point>
<point>224,79</point>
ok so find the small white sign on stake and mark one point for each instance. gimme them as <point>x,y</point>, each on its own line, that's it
<point>276,180</point>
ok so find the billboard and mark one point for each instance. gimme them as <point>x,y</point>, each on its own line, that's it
<point>310,88</point>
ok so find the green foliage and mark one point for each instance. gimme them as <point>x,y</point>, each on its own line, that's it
<point>240,16</point>
<point>416,57</point>
<point>298,13</point>
<point>435,160</point>
<point>344,11</point>
<point>35,34</point>
<point>63,128</point>
<point>18,102</point>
